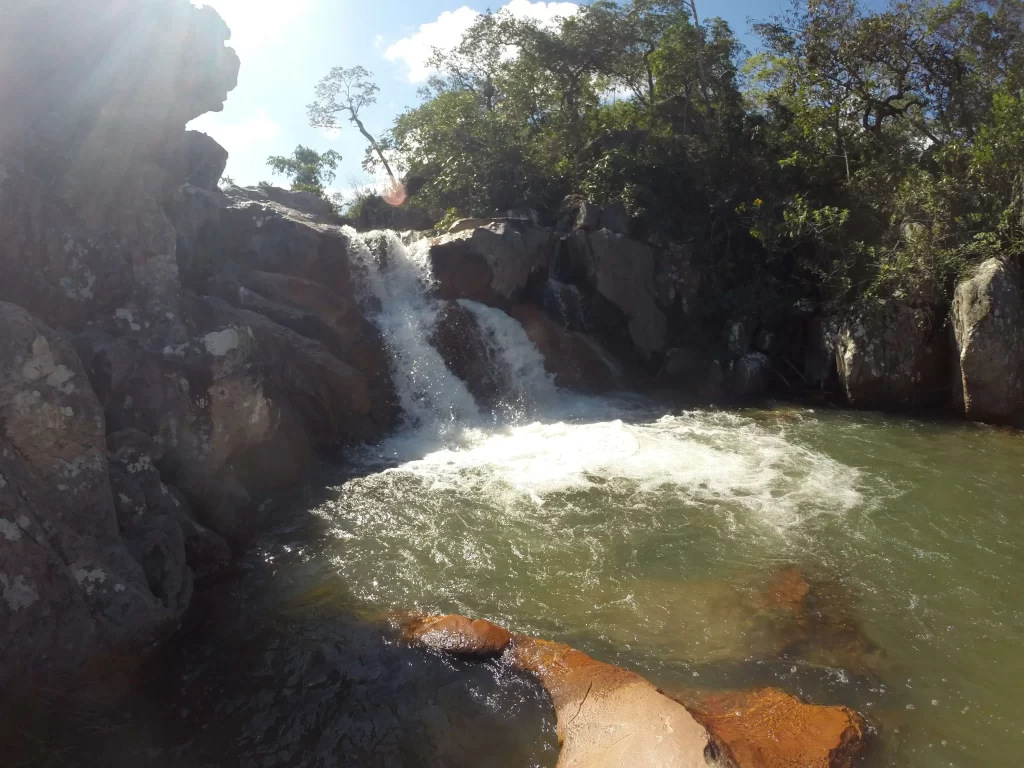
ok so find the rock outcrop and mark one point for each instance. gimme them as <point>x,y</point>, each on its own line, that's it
<point>768,728</point>
<point>186,348</point>
<point>623,272</point>
<point>82,571</point>
<point>607,716</point>
<point>492,263</point>
<point>893,353</point>
<point>988,323</point>
<point>576,360</point>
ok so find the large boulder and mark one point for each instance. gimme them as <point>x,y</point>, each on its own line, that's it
<point>77,579</point>
<point>988,321</point>
<point>607,716</point>
<point>892,353</point>
<point>576,360</point>
<point>92,139</point>
<point>491,264</point>
<point>205,160</point>
<point>623,272</point>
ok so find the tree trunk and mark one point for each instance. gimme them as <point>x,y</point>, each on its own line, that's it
<point>376,148</point>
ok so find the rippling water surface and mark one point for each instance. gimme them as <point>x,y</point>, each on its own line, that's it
<point>643,534</point>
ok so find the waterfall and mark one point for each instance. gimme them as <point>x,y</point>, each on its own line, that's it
<point>527,386</point>
<point>397,280</point>
<point>396,285</point>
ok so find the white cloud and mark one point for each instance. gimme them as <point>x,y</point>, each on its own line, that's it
<point>447,31</point>
<point>378,41</point>
<point>255,23</point>
<point>239,137</point>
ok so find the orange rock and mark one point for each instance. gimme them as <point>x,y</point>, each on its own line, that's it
<point>609,717</point>
<point>768,728</point>
<point>458,635</point>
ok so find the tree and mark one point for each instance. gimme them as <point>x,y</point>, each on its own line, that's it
<point>346,92</point>
<point>309,170</point>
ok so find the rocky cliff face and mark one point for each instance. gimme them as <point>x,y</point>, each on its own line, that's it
<point>166,352</point>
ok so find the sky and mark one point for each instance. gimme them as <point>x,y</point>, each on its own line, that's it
<point>287,46</point>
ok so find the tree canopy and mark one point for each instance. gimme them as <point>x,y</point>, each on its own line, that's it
<point>855,151</point>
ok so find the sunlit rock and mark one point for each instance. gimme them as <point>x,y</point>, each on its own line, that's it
<point>987,317</point>
<point>768,728</point>
<point>458,635</point>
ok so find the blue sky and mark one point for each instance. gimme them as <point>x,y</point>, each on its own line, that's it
<point>286,46</point>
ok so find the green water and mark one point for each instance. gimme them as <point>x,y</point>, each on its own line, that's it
<point>646,536</point>
<point>644,540</point>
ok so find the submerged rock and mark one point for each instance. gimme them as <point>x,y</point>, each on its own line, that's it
<point>768,728</point>
<point>988,318</point>
<point>458,635</point>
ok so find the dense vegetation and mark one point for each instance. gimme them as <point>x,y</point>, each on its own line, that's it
<point>855,152</point>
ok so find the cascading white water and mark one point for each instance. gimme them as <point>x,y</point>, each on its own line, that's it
<point>399,278</point>
<point>528,386</point>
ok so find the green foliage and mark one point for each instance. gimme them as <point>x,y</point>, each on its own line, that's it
<point>857,152</point>
<point>308,170</point>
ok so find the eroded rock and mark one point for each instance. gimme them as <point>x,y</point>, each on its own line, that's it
<point>988,315</point>
<point>768,728</point>
<point>893,353</point>
<point>70,587</point>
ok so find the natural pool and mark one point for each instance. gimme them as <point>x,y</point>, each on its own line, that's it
<point>641,535</point>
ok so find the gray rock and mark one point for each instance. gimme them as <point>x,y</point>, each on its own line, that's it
<point>623,271</point>
<point>892,353</point>
<point>988,322</point>
<point>303,202</point>
<point>70,587</point>
<point>749,376</point>
<point>205,160</point>
<point>491,264</point>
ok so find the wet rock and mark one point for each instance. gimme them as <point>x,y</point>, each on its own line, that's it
<point>893,353</point>
<point>576,360</point>
<point>459,338</point>
<point>458,635</point>
<point>490,264</point>
<point>749,375</point>
<point>988,318</point>
<point>768,728</point>
<point>205,160</point>
<point>609,716</point>
<point>70,588</point>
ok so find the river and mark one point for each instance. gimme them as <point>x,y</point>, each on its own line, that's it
<point>638,530</point>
